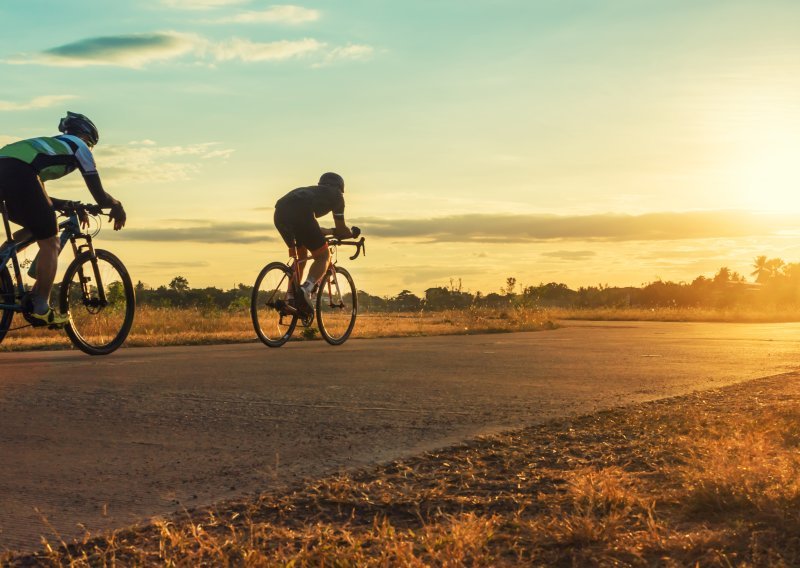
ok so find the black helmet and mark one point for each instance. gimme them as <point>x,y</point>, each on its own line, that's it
<point>333,180</point>
<point>75,123</point>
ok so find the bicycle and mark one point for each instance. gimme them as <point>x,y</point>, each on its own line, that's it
<point>96,290</point>
<point>275,316</point>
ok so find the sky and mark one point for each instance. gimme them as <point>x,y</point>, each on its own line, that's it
<point>612,142</point>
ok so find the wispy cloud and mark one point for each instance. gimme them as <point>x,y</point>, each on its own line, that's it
<point>206,232</point>
<point>248,51</point>
<point>46,101</point>
<point>201,4</point>
<point>280,14</point>
<point>147,161</point>
<point>570,255</point>
<point>489,228</point>
<point>347,53</point>
<point>138,50</point>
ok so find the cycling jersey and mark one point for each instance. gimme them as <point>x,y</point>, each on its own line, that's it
<point>320,199</point>
<point>53,157</point>
<point>295,214</point>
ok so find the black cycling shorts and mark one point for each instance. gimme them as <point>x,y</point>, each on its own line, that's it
<point>27,201</point>
<point>298,226</point>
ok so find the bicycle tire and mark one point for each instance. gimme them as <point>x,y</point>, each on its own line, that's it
<point>270,287</point>
<point>92,328</point>
<point>337,306</point>
<point>7,296</point>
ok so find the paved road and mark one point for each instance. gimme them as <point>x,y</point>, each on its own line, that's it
<point>109,441</point>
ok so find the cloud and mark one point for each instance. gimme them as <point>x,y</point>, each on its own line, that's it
<point>248,51</point>
<point>283,14</point>
<point>206,232</point>
<point>132,50</point>
<point>46,101</point>
<point>347,53</point>
<point>177,264</point>
<point>135,51</point>
<point>489,228</point>
<point>201,4</point>
<point>570,255</point>
<point>147,161</point>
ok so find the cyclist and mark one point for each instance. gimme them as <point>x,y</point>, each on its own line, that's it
<point>24,167</point>
<point>295,218</point>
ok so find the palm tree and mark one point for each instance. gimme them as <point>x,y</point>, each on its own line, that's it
<point>762,271</point>
<point>775,265</point>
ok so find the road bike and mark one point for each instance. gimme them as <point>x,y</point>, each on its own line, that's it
<point>96,290</point>
<point>276,314</point>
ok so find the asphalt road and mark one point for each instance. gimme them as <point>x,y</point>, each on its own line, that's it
<point>106,442</point>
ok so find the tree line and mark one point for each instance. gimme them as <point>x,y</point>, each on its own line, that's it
<point>775,284</point>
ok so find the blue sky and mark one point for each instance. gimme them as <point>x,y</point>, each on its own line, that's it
<point>573,141</point>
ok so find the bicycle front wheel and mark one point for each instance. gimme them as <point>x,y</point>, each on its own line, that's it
<point>273,323</point>
<point>6,297</point>
<point>337,304</point>
<point>98,295</point>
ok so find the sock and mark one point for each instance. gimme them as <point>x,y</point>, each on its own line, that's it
<point>40,304</point>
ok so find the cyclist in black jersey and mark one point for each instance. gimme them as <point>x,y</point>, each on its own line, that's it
<point>295,218</point>
<point>24,167</point>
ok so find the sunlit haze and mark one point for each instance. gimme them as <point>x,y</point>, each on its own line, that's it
<point>583,142</point>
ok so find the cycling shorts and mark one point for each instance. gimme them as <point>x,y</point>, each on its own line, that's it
<point>26,199</point>
<point>298,226</point>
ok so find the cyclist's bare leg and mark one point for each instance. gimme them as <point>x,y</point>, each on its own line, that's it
<point>322,257</point>
<point>46,266</point>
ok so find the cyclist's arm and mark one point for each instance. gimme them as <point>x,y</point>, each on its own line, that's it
<point>341,231</point>
<point>58,204</point>
<point>104,199</point>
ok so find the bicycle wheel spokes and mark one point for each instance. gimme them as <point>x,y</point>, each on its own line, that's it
<point>100,300</point>
<point>337,304</point>
<point>6,297</point>
<point>272,321</point>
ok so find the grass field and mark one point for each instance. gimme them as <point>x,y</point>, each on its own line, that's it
<point>708,479</point>
<point>172,326</point>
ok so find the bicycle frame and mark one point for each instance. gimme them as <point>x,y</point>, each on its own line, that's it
<point>70,231</point>
<point>295,261</point>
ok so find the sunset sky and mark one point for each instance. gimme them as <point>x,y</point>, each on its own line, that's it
<point>584,142</point>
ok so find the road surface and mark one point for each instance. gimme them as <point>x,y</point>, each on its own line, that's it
<point>110,441</point>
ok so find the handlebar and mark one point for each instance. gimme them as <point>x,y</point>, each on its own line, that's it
<point>359,244</point>
<point>70,207</point>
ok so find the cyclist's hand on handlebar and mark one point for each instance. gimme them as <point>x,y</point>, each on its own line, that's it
<point>117,214</point>
<point>83,216</point>
<point>343,233</point>
<point>356,232</point>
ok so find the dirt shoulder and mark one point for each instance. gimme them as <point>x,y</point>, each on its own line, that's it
<point>710,477</point>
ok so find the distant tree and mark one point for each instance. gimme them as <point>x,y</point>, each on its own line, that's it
<point>762,271</point>
<point>511,283</point>
<point>179,284</point>
<point>775,265</point>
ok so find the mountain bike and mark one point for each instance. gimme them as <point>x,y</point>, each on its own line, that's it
<point>96,290</point>
<point>276,313</point>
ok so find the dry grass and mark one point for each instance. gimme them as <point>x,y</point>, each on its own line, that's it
<point>708,479</point>
<point>172,326</point>
<point>737,314</point>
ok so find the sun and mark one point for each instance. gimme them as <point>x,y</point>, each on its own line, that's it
<point>766,173</point>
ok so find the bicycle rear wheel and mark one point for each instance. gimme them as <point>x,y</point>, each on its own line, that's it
<point>97,324</point>
<point>337,304</point>
<point>6,297</point>
<point>274,325</point>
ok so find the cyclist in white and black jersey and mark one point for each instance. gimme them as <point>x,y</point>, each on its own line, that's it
<point>24,167</point>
